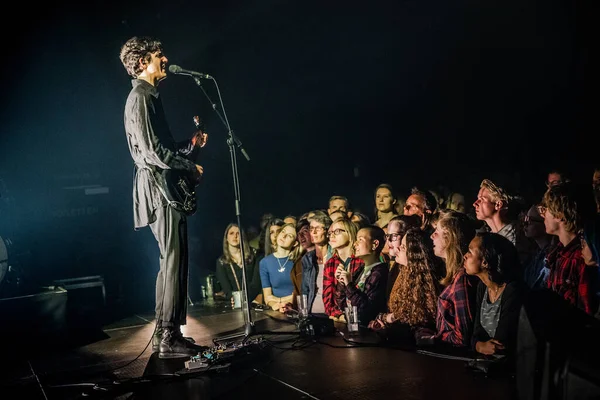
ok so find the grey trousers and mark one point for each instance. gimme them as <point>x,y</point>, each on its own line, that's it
<point>170,231</point>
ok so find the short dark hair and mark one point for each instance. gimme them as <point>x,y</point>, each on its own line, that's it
<point>430,201</point>
<point>135,48</point>
<point>378,234</point>
<point>502,257</point>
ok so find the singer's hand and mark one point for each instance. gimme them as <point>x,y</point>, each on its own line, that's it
<point>200,139</point>
<point>200,169</point>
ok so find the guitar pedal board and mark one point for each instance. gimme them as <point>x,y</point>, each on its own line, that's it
<point>221,356</point>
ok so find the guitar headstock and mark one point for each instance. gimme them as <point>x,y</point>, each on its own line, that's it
<point>199,123</point>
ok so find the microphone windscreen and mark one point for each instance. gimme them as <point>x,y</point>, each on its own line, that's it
<point>174,68</point>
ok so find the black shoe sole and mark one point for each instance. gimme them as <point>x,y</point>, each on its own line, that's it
<point>156,347</point>
<point>176,355</point>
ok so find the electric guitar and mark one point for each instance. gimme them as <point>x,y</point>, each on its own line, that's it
<point>180,186</point>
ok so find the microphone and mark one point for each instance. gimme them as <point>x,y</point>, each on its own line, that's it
<point>176,69</point>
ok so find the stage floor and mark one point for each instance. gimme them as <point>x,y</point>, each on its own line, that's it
<point>116,362</point>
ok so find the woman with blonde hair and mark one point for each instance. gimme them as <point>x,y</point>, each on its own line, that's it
<point>342,235</point>
<point>456,304</point>
<point>275,269</point>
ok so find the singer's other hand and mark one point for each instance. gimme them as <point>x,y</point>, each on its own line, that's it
<point>200,169</point>
<point>200,139</point>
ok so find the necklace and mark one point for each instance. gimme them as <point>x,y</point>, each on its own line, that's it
<point>496,293</point>
<point>282,266</point>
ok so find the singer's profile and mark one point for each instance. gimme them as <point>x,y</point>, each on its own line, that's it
<point>154,149</point>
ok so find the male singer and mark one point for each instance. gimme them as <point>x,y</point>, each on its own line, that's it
<point>153,149</point>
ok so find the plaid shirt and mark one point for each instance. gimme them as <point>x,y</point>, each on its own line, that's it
<point>456,308</point>
<point>369,301</point>
<point>330,289</point>
<point>570,277</point>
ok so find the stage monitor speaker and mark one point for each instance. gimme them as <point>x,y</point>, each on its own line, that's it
<point>86,301</point>
<point>558,351</point>
<point>37,316</point>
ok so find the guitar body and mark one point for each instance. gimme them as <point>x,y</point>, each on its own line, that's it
<point>180,186</point>
<point>180,190</point>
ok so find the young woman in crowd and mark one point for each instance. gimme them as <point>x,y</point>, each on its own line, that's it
<point>229,272</point>
<point>456,304</point>
<point>275,269</point>
<point>495,261</point>
<point>342,235</point>
<point>413,301</point>
<point>385,202</point>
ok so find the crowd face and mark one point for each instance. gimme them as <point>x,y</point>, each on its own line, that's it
<point>336,205</point>
<point>551,222</point>
<point>457,202</point>
<point>273,232</point>
<point>233,236</point>
<point>286,239</point>
<point>533,224</point>
<point>393,239</point>
<point>440,244</point>
<point>473,260</point>
<point>384,200</point>
<point>485,207</point>
<point>304,237</point>
<point>318,235</point>
<point>587,255</point>
<point>338,237</point>
<point>401,257</point>
<point>364,244</point>
<point>553,179</point>
<point>415,205</point>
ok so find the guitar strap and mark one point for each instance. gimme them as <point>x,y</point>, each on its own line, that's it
<point>160,187</point>
<point>235,276</point>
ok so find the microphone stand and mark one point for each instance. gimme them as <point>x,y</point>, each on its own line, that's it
<point>232,140</point>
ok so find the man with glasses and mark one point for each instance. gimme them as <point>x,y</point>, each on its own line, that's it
<point>424,204</point>
<point>397,227</point>
<point>536,272</point>
<point>556,177</point>
<point>567,207</point>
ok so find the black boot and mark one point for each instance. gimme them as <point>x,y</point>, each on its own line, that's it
<point>173,345</point>
<point>157,337</point>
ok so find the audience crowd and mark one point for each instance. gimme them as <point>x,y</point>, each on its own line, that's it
<point>427,267</point>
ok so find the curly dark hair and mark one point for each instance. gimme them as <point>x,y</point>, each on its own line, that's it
<point>413,299</point>
<point>136,48</point>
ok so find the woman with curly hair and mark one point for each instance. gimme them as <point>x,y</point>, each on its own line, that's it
<point>413,300</point>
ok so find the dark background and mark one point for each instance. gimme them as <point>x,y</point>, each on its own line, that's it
<point>327,97</point>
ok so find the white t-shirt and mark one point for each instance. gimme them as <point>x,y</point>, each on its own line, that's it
<point>318,306</point>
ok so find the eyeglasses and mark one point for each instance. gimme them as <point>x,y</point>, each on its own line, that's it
<point>409,206</point>
<point>316,229</point>
<point>392,237</point>
<point>336,232</point>
<point>541,210</point>
<point>530,220</point>
<point>553,183</point>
